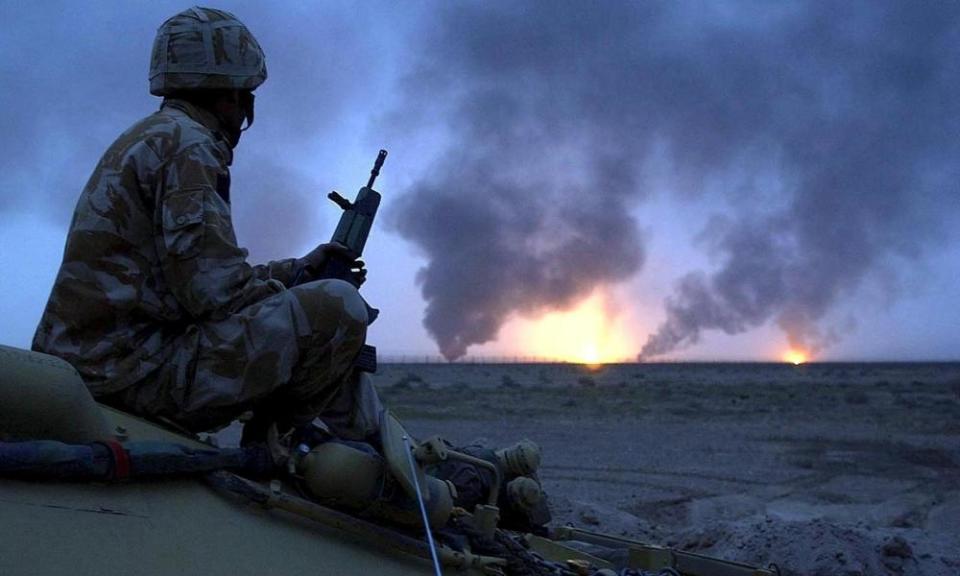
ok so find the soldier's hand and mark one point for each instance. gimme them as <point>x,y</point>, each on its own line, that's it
<point>314,262</point>
<point>319,256</point>
<point>358,272</point>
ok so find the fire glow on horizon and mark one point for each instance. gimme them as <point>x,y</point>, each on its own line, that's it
<point>586,334</point>
<point>600,329</point>
<point>796,357</point>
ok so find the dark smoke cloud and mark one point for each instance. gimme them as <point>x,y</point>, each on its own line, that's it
<point>555,111</point>
<point>528,208</point>
<point>871,161</point>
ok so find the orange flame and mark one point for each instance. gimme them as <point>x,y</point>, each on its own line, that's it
<point>796,357</point>
<point>587,334</point>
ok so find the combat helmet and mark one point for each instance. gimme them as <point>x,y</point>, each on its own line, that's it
<point>205,49</point>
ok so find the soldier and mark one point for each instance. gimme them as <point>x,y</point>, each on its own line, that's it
<point>156,305</point>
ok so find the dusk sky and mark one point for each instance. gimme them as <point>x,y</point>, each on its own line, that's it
<point>573,180</point>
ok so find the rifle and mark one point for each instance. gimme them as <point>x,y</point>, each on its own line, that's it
<point>352,231</point>
<point>355,223</point>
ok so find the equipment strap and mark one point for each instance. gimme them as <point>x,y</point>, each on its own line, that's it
<point>121,460</point>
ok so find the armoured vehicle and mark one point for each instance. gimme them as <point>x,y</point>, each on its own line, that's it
<point>87,489</point>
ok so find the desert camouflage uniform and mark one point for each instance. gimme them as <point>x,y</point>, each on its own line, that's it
<point>157,308</point>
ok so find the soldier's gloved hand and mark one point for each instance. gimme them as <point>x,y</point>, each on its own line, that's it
<point>358,272</point>
<point>319,256</point>
<point>313,263</point>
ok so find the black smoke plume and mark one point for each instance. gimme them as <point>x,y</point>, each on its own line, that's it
<point>556,113</point>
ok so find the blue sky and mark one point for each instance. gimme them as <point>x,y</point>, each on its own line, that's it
<point>776,172</point>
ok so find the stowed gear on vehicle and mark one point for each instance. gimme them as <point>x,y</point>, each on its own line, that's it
<point>374,479</point>
<point>485,506</point>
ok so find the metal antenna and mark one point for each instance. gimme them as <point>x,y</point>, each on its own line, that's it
<point>423,509</point>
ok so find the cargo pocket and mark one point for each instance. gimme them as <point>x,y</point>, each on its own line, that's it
<point>183,226</point>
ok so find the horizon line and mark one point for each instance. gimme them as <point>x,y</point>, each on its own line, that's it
<point>524,359</point>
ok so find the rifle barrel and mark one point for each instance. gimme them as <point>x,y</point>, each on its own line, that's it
<point>376,168</point>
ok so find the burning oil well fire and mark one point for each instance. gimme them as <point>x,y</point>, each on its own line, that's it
<point>556,117</point>
<point>590,333</point>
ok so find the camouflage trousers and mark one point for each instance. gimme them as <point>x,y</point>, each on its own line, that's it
<point>293,351</point>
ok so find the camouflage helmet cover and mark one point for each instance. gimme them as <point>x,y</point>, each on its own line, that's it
<point>205,49</point>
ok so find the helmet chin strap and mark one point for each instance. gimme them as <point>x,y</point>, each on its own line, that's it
<point>247,103</point>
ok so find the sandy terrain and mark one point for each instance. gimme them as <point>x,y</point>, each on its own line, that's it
<point>835,469</point>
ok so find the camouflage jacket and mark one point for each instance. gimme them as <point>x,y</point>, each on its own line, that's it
<point>151,250</point>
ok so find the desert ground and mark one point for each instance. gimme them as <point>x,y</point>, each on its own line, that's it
<point>836,469</point>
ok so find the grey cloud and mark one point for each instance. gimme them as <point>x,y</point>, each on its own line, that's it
<point>75,76</point>
<point>554,118</point>
<point>873,174</point>
<point>274,209</point>
<point>529,207</point>
<point>54,114</point>
<point>555,110</point>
